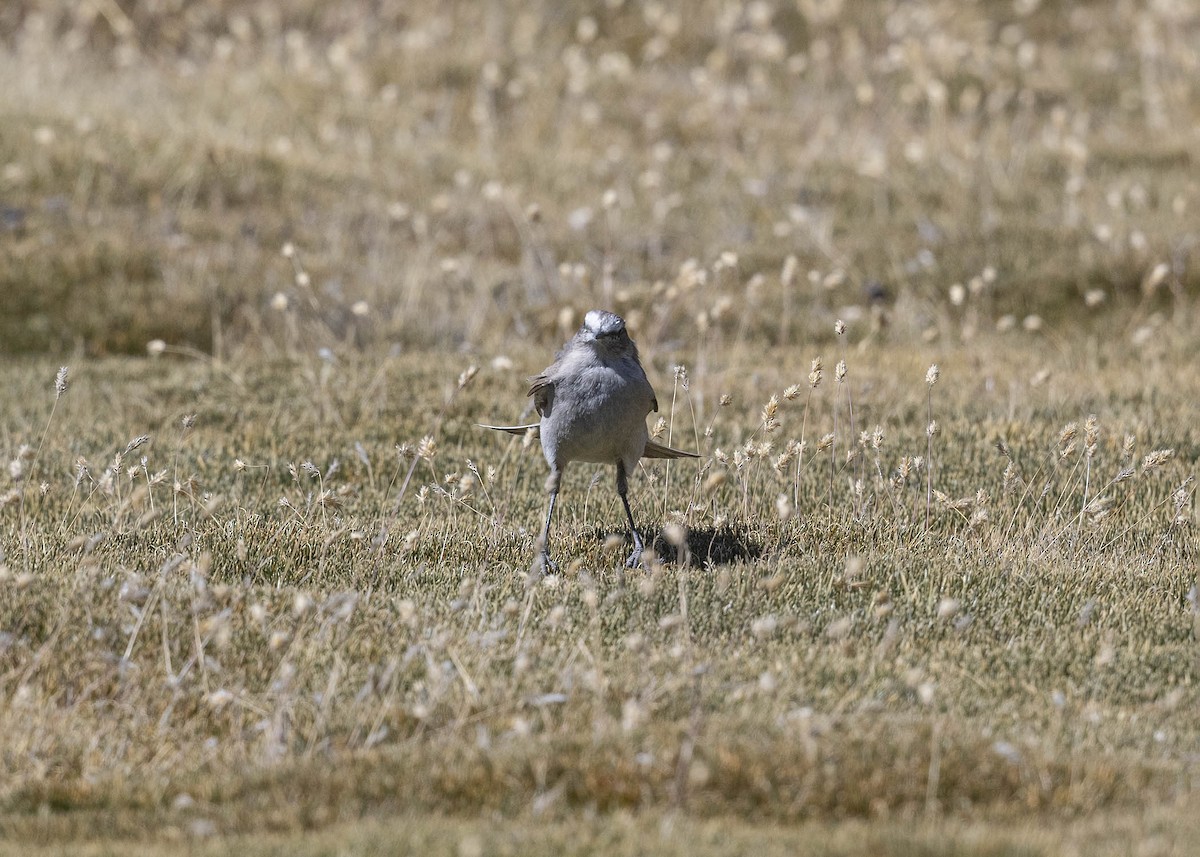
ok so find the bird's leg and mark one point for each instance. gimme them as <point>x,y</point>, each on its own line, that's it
<point>635,558</point>
<point>543,543</point>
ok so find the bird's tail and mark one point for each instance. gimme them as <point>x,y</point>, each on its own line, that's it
<point>657,450</point>
<point>517,430</point>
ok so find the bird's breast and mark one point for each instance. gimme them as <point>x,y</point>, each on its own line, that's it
<point>599,415</point>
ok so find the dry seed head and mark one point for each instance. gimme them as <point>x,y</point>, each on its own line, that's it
<point>788,274</point>
<point>675,535</point>
<point>814,376</point>
<point>1155,278</point>
<point>933,429</point>
<point>839,371</point>
<point>467,374</point>
<point>660,426</point>
<point>788,455</point>
<point>1157,458</point>
<point>60,383</point>
<point>1091,435</point>
<point>427,448</point>
<point>137,442</point>
<point>1180,498</point>
<point>839,327</point>
<point>1127,446</point>
<point>1067,436</point>
<point>932,374</point>
<point>825,442</point>
<point>770,423</point>
<point>725,401</point>
<point>877,438</point>
<point>792,392</point>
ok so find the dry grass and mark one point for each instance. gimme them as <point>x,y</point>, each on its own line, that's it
<point>270,579</point>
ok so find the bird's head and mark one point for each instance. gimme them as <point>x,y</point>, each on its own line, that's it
<point>605,331</point>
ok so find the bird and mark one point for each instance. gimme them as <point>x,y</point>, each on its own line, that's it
<point>593,401</point>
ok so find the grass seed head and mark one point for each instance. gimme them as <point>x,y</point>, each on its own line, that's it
<point>1091,435</point>
<point>814,375</point>
<point>769,422</point>
<point>1066,438</point>
<point>1156,458</point>
<point>788,274</point>
<point>136,443</point>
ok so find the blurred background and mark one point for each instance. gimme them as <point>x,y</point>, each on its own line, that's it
<point>246,177</point>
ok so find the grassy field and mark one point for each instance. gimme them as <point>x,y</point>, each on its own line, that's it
<point>265,584</point>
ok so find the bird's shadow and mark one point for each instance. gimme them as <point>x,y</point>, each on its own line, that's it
<point>705,546</point>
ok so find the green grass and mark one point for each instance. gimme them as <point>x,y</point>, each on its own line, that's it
<point>297,617</point>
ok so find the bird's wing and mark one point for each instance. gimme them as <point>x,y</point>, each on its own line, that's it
<point>541,389</point>
<point>519,430</point>
<point>657,450</point>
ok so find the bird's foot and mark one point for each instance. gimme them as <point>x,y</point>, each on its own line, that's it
<point>541,566</point>
<point>635,559</point>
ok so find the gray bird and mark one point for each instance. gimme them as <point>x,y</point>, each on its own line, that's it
<point>593,400</point>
